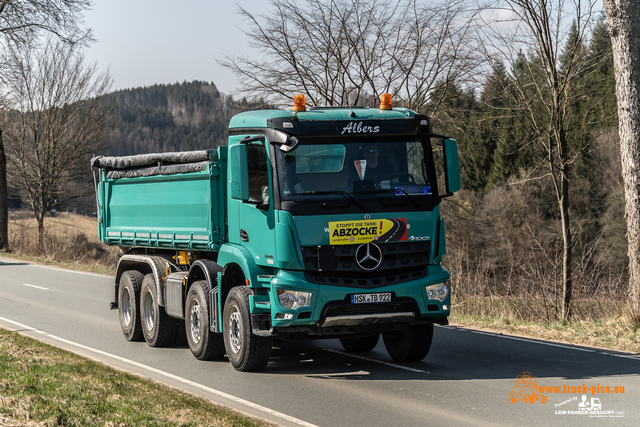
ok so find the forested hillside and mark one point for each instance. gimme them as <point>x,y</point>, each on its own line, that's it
<point>159,118</point>
<point>181,116</point>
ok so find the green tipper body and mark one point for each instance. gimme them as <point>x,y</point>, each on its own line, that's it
<point>178,211</point>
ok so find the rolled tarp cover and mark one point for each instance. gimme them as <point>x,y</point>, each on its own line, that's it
<point>155,159</point>
<point>156,170</point>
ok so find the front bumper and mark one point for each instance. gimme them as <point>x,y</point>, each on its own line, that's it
<point>331,313</point>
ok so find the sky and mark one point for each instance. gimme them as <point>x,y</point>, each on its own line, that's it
<point>147,42</point>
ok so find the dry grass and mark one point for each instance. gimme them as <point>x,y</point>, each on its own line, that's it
<point>615,333</point>
<point>70,241</point>
<point>41,385</point>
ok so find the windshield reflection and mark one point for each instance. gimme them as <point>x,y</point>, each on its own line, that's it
<point>355,168</point>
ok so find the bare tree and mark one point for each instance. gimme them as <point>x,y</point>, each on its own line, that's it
<point>544,44</point>
<point>60,115</point>
<point>349,52</point>
<point>624,27</point>
<point>21,21</point>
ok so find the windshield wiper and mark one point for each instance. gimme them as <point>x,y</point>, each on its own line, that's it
<point>395,191</point>
<point>323,193</point>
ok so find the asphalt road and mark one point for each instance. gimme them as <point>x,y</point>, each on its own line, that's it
<point>466,379</point>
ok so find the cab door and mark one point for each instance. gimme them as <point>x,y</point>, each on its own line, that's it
<point>251,223</point>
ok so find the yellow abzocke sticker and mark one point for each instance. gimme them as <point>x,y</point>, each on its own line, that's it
<point>354,232</point>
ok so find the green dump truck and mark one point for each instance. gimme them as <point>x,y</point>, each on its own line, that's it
<point>311,223</point>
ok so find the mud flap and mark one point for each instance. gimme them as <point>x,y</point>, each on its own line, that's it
<point>213,305</point>
<point>261,325</point>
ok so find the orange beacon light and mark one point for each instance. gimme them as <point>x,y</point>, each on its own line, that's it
<point>298,103</point>
<point>385,101</point>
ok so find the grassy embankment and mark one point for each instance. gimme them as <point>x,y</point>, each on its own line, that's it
<point>41,385</point>
<point>70,241</point>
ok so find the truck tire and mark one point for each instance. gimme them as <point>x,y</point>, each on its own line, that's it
<point>157,327</point>
<point>410,345</point>
<point>204,344</point>
<point>356,344</point>
<point>128,303</point>
<point>246,351</point>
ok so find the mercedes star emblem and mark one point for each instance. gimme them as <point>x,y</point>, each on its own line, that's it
<point>369,256</point>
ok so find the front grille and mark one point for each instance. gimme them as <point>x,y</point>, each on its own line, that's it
<point>402,261</point>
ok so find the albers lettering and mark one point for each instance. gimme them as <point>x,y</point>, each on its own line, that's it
<point>353,127</point>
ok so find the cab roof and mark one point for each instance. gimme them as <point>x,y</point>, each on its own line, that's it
<point>260,118</point>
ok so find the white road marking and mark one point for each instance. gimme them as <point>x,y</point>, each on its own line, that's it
<point>534,341</point>
<point>70,271</point>
<point>624,356</point>
<point>568,346</point>
<point>340,375</point>
<point>36,287</point>
<point>167,375</point>
<point>23,327</point>
<point>382,362</point>
<point>27,263</point>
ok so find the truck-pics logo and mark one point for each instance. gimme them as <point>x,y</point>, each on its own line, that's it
<point>526,389</point>
<point>373,230</point>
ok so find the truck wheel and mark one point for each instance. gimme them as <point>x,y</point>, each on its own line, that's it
<point>409,345</point>
<point>355,344</point>
<point>128,302</point>
<point>158,328</point>
<point>246,351</point>
<point>204,344</point>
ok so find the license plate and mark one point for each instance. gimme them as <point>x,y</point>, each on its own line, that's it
<point>363,298</point>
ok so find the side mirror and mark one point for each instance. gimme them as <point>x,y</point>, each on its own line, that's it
<point>290,145</point>
<point>451,165</point>
<point>238,172</point>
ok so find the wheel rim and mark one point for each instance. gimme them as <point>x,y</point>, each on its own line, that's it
<point>235,330</point>
<point>149,314</point>
<point>195,321</point>
<point>126,307</point>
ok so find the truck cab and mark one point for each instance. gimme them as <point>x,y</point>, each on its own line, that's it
<point>311,223</point>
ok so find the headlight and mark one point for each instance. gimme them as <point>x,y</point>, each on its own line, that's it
<point>439,292</point>
<point>294,299</point>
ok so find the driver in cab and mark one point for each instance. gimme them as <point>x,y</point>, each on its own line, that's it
<point>370,168</point>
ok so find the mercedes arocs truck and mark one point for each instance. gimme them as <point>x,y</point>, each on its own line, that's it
<point>311,223</point>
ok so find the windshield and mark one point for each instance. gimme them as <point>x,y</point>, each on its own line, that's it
<point>354,168</point>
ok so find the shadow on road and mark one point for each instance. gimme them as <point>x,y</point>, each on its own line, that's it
<point>10,263</point>
<point>456,354</point>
